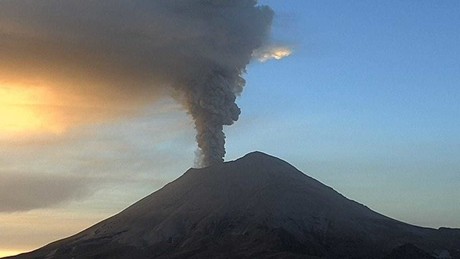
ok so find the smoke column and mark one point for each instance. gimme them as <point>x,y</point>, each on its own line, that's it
<point>128,53</point>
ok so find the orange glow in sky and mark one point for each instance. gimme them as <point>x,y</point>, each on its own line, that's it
<point>22,112</point>
<point>4,253</point>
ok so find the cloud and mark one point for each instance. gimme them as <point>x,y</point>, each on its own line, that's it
<point>22,192</point>
<point>96,62</point>
<point>123,55</point>
<point>133,154</point>
<point>267,53</point>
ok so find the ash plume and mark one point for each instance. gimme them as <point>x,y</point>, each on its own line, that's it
<point>120,53</point>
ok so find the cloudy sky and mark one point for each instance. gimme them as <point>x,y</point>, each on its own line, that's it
<point>368,103</point>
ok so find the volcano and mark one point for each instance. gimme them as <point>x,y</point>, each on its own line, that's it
<point>255,207</point>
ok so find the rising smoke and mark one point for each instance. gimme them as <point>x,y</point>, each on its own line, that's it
<point>126,52</point>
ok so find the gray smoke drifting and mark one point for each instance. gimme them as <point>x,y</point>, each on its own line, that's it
<point>126,53</point>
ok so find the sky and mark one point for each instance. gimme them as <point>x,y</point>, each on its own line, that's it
<point>367,103</point>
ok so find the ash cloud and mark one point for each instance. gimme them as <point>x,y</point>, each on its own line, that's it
<point>126,54</point>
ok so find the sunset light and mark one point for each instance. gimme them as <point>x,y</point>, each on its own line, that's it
<point>21,114</point>
<point>4,253</point>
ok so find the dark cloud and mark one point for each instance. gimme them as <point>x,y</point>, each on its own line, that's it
<point>118,53</point>
<point>23,192</point>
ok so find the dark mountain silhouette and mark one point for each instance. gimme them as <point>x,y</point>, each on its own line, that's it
<point>255,207</point>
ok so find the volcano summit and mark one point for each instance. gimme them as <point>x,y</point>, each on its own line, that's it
<point>255,207</point>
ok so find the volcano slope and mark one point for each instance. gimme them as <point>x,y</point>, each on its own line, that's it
<point>255,207</point>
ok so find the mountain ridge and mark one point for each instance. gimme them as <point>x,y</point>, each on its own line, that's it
<point>255,206</point>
